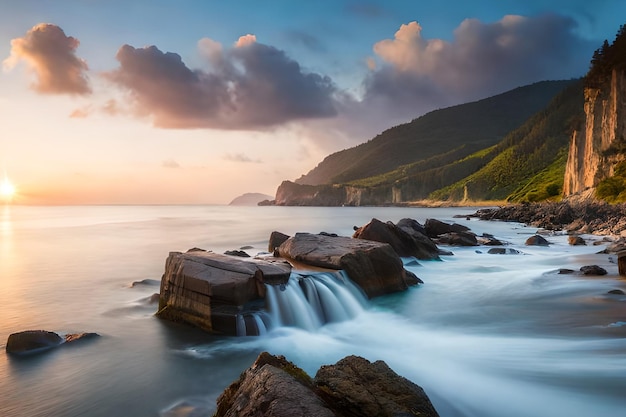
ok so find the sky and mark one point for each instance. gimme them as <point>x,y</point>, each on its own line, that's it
<point>200,101</point>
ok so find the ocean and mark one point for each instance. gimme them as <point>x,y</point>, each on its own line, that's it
<point>485,335</point>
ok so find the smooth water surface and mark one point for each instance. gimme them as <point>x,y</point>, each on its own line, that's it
<point>486,335</point>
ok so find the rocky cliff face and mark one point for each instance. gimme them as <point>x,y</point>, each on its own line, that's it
<point>293,194</point>
<point>595,149</point>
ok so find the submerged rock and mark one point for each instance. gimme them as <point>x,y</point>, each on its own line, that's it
<point>537,240</point>
<point>373,266</point>
<point>35,341</point>
<point>32,341</point>
<point>275,387</point>
<point>593,270</point>
<point>503,251</point>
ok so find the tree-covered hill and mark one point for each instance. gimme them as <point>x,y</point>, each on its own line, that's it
<point>437,138</point>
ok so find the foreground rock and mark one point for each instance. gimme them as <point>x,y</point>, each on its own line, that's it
<point>407,238</point>
<point>275,387</point>
<point>35,341</point>
<point>373,266</point>
<point>214,291</point>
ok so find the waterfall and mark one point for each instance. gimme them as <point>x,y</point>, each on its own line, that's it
<point>307,301</point>
<point>310,300</point>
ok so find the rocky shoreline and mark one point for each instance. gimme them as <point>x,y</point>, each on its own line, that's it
<point>572,217</point>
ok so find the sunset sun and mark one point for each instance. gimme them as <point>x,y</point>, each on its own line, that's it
<point>7,189</point>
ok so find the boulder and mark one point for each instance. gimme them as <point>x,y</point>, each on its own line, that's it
<point>616,292</point>
<point>576,240</point>
<point>35,341</point>
<point>275,387</point>
<point>489,240</point>
<point>373,266</point>
<point>537,240</point>
<point>407,240</point>
<point>592,270</point>
<point>458,239</point>
<point>276,239</point>
<point>32,341</point>
<point>272,387</point>
<point>213,291</point>
<point>434,228</point>
<point>355,386</point>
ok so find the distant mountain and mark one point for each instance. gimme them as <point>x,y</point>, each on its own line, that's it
<point>439,137</point>
<point>250,199</point>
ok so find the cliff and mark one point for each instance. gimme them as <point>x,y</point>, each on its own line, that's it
<point>595,150</point>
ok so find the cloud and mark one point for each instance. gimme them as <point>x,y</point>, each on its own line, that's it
<point>305,39</point>
<point>170,163</point>
<point>81,113</point>
<point>240,157</point>
<point>51,55</point>
<point>250,86</point>
<point>482,59</point>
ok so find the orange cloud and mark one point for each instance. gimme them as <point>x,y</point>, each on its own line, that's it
<point>51,55</point>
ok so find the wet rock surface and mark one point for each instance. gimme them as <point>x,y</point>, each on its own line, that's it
<point>275,387</point>
<point>373,266</point>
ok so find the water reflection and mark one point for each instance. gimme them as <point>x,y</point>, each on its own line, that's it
<point>6,241</point>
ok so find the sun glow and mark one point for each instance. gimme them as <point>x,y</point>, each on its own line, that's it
<point>7,189</point>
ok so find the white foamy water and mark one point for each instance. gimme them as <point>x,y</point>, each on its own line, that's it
<point>486,335</point>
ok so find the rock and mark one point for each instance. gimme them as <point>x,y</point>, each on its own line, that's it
<point>355,386</point>
<point>239,253</point>
<point>458,239</point>
<point>503,251</point>
<point>211,291</point>
<point>275,387</point>
<point>272,387</point>
<point>32,341</point>
<point>489,240</point>
<point>373,266</point>
<point>146,281</point>
<point>537,240</point>
<point>74,337</point>
<point>576,240</point>
<point>616,292</point>
<point>593,270</point>
<point>407,240</point>
<point>566,271</point>
<point>35,341</point>
<point>434,228</point>
<point>276,239</point>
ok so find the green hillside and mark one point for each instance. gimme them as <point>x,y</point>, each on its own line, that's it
<point>435,140</point>
<point>530,161</point>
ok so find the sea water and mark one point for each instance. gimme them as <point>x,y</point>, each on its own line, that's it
<point>485,335</point>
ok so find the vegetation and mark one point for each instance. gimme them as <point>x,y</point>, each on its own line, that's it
<point>530,162</point>
<point>613,189</point>
<point>607,58</point>
<point>435,139</point>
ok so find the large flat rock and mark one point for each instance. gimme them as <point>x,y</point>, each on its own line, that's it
<point>374,266</point>
<point>209,290</point>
